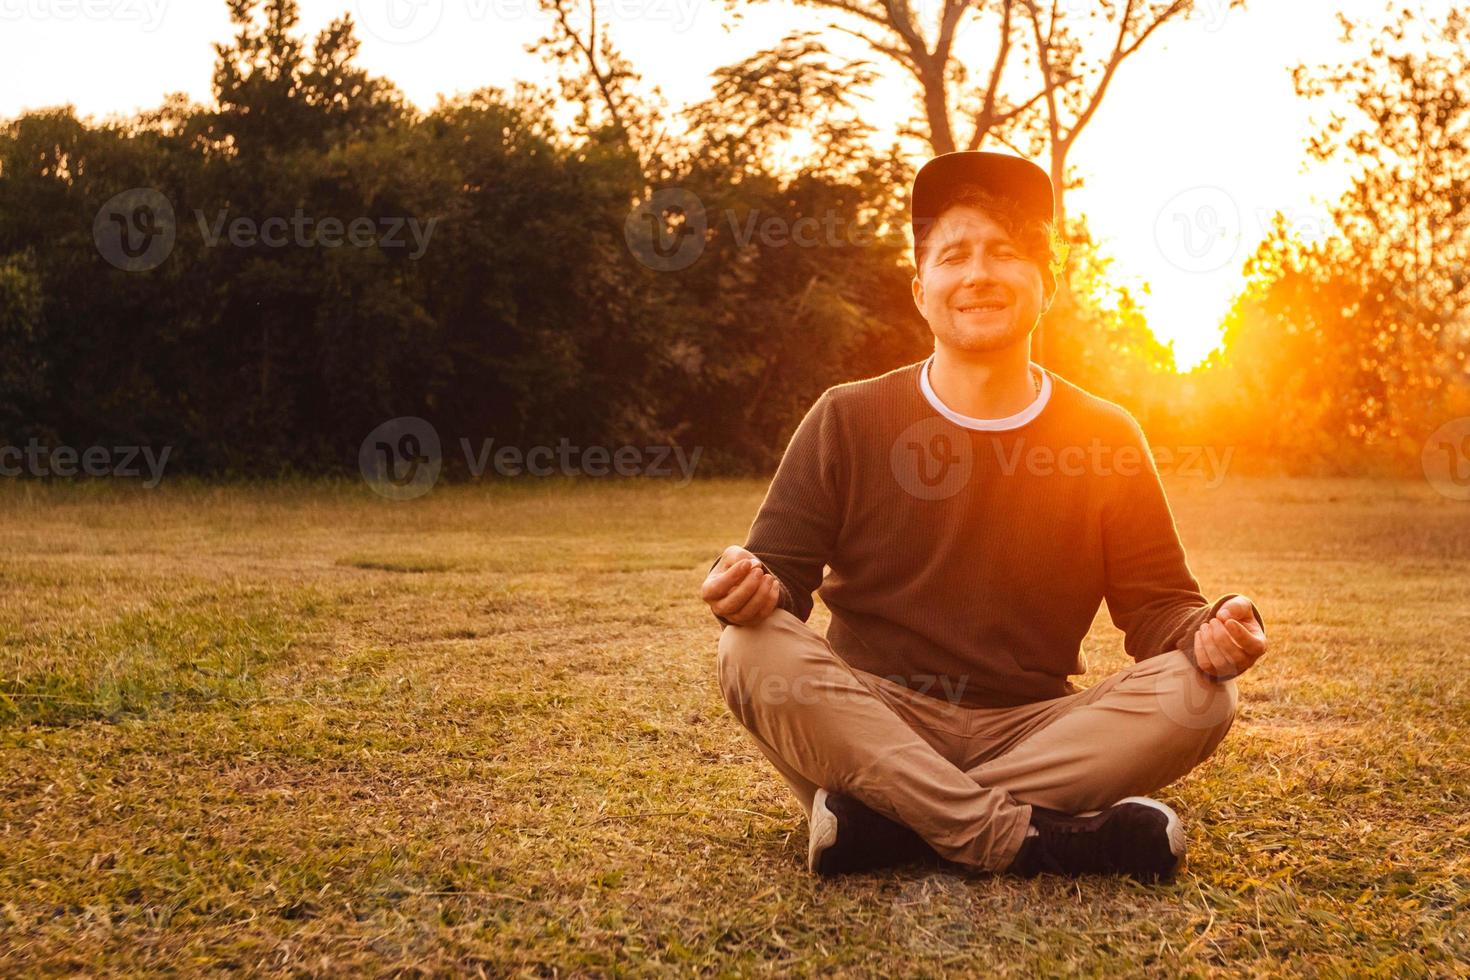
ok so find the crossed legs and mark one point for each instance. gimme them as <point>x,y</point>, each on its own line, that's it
<point>964,778</point>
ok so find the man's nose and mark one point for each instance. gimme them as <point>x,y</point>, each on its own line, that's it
<point>978,269</point>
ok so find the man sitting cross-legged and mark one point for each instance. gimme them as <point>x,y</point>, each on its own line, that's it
<point>975,510</point>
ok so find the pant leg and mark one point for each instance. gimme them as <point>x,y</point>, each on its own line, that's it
<point>937,723</point>
<point>1134,732</point>
<point>824,724</point>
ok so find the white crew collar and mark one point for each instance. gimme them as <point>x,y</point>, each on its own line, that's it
<point>987,425</point>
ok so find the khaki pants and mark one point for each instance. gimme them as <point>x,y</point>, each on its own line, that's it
<point>964,778</point>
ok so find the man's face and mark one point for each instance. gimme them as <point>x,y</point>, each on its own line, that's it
<point>976,289</point>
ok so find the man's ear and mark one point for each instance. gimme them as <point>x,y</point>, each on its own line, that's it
<point>917,287</point>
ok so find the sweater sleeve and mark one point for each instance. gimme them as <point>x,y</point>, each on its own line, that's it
<point>1151,594</point>
<point>795,531</point>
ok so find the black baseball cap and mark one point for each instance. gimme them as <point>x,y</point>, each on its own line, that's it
<point>1005,174</point>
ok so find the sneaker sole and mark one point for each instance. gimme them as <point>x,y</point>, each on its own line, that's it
<point>822,833</point>
<point>1174,827</point>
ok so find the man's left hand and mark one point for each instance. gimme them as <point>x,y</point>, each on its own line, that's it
<point>1231,642</point>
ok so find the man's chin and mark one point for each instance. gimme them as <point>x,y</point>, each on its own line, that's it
<point>986,341</point>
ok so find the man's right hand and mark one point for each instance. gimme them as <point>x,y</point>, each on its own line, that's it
<point>740,588</point>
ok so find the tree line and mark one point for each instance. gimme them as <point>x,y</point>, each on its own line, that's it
<point>261,281</point>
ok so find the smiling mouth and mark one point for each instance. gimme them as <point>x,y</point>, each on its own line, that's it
<point>983,308</point>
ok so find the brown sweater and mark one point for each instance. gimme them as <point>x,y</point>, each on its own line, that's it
<point>969,564</point>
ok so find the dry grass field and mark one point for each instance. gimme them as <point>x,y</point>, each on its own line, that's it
<point>298,729</point>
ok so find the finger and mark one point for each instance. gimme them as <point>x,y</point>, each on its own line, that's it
<point>1205,654</point>
<point>1225,650</point>
<point>1243,616</point>
<point>733,575</point>
<point>1223,666</point>
<point>752,608</point>
<point>1223,640</point>
<point>777,590</point>
<point>1235,657</point>
<point>728,557</point>
<point>1201,655</point>
<point>712,589</point>
<point>719,584</point>
<point>748,580</point>
<point>737,597</point>
<point>1250,641</point>
<point>761,603</point>
<point>747,613</point>
<point>1238,607</point>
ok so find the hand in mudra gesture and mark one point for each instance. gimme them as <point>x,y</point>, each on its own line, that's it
<point>740,589</point>
<point>1231,642</point>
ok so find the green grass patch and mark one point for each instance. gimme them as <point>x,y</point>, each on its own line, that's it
<point>168,654</point>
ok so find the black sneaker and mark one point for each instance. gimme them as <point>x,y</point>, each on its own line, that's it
<point>846,836</point>
<point>1136,836</point>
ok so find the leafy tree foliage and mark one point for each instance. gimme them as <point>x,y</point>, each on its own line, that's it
<point>514,305</point>
<point>1345,354</point>
<point>526,318</point>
